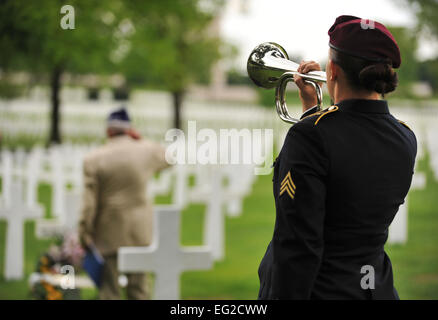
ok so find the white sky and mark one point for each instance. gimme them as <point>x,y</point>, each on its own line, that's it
<point>301,26</point>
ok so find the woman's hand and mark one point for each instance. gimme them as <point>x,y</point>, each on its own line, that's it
<point>307,91</point>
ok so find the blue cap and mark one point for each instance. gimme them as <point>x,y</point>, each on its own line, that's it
<point>119,118</point>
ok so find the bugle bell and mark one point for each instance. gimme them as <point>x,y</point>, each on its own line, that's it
<point>269,66</point>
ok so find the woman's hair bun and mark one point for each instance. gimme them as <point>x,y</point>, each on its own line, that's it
<point>379,77</point>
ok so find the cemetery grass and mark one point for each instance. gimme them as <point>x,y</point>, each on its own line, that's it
<point>415,264</point>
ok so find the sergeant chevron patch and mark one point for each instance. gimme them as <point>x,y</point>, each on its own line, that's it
<point>287,185</point>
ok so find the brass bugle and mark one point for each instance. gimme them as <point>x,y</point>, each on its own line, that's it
<point>269,66</point>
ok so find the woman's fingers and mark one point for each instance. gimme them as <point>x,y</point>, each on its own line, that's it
<point>307,66</point>
<point>299,82</point>
<point>307,91</point>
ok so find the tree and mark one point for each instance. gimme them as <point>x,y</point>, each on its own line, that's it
<point>172,45</point>
<point>427,23</point>
<point>32,39</point>
<point>167,43</point>
<point>407,42</point>
<point>427,14</point>
<point>427,72</point>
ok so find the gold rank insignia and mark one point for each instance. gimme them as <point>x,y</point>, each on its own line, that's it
<point>287,185</point>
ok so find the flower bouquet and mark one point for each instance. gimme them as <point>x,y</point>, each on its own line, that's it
<point>56,269</point>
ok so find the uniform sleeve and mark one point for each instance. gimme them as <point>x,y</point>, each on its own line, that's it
<point>89,203</point>
<point>298,235</point>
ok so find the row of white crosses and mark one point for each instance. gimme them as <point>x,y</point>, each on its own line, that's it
<point>432,147</point>
<point>57,167</point>
<point>15,211</point>
<point>208,189</point>
<point>165,258</point>
<point>150,112</point>
<point>64,164</point>
<point>21,174</point>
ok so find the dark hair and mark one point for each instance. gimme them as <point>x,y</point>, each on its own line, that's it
<point>365,74</point>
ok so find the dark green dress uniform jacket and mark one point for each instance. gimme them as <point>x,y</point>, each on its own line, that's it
<point>338,182</point>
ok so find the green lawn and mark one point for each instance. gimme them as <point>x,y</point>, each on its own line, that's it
<point>415,264</point>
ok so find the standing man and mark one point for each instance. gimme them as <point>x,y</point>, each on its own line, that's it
<point>115,210</point>
<point>341,176</point>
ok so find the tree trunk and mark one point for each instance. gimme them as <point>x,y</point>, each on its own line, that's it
<point>55,86</point>
<point>177,105</point>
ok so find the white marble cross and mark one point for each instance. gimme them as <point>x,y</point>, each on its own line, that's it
<point>209,189</point>
<point>73,201</point>
<point>240,180</point>
<point>7,167</point>
<point>32,172</point>
<point>220,199</point>
<point>432,146</point>
<point>398,231</point>
<point>214,227</point>
<point>179,195</point>
<point>46,228</point>
<point>15,214</point>
<point>58,183</point>
<point>160,185</point>
<point>198,193</point>
<point>165,257</point>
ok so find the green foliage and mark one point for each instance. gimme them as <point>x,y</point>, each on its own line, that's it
<point>9,90</point>
<point>172,45</point>
<point>415,264</point>
<point>169,43</point>
<point>407,42</point>
<point>32,38</point>
<point>427,24</point>
<point>427,14</point>
<point>234,77</point>
<point>266,97</point>
<point>428,71</point>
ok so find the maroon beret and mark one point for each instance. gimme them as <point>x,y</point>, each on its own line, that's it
<point>365,39</point>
